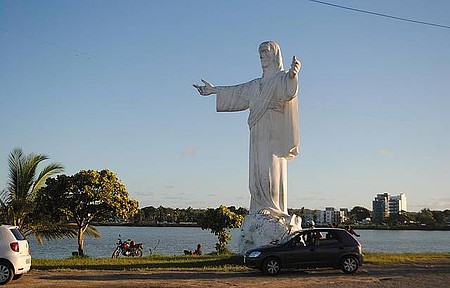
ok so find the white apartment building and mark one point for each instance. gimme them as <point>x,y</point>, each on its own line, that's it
<point>332,216</point>
<point>397,204</point>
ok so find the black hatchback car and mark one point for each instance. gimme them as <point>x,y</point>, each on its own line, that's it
<point>312,248</point>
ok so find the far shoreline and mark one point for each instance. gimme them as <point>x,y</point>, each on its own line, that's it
<point>359,227</point>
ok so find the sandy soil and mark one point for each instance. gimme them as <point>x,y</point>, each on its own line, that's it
<point>411,276</point>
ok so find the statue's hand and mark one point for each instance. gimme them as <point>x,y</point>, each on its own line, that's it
<point>206,90</point>
<point>295,67</point>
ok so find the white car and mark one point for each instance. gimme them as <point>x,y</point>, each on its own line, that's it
<point>15,259</point>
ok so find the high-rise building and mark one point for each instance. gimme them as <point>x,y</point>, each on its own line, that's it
<point>384,204</point>
<point>380,207</point>
<point>397,204</point>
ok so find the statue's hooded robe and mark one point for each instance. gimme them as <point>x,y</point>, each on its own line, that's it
<point>273,124</point>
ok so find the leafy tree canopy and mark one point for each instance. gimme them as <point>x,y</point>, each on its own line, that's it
<point>360,213</point>
<point>219,221</point>
<point>85,197</point>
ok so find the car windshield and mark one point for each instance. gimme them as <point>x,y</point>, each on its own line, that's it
<point>287,238</point>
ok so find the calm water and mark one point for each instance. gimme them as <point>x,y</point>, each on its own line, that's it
<point>173,240</point>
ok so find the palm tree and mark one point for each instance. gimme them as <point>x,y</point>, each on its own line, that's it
<point>17,200</point>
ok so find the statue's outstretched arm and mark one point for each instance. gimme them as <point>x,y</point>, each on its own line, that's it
<point>207,89</point>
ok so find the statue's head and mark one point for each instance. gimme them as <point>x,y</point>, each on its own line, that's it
<point>270,55</point>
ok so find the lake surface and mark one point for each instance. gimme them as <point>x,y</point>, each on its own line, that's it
<point>173,240</point>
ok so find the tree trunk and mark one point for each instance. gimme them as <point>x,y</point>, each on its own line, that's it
<point>81,241</point>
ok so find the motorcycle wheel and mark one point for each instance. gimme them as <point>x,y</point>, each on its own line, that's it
<point>116,253</point>
<point>137,253</point>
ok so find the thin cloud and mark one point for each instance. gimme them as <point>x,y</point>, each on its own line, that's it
<point>188,151</point>
<point>383,152</point>
<point>433,204</point>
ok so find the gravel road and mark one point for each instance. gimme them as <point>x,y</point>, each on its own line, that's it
<point>436,274</point>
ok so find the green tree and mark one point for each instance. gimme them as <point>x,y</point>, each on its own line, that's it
<point>17,201</point>
<point>150,214</point>
<point>397,219</point>
<point>299,212</point>
<point>86,197</point>
<point>240,211</point>
<point>447,216</point>
<point>220,221</point>
<point>359,213</point>
<point>425,216</point>
<point>440,217</point>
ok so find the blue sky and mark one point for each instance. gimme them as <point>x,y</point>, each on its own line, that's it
<point>108,84</point>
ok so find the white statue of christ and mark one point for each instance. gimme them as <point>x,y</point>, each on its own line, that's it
<point>273,123</point>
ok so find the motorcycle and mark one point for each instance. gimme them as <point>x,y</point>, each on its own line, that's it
<point>127,248</point>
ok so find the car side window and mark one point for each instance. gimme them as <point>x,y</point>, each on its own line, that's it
<point>330,238</point>
<point>312,238</point>
<point>298,241</point>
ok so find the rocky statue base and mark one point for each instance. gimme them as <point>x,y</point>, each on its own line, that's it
<point>261,229</point>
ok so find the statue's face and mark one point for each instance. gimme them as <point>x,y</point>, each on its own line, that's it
<point>267,55</point>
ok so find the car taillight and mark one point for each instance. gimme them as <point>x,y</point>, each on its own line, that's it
<point>14,246</point>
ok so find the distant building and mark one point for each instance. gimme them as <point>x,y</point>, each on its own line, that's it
<point>344,214</point>
<point>312,215</point>
<point>384,204</point>
<point>331,216</point>
<point>397,204</point>
<point>380,207</point>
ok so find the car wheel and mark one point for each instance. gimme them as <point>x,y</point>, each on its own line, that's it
<point>6,273</point>
<point>272,266</point>
<point>349,264</point>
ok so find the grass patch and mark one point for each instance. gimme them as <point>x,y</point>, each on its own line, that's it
<point>228,262</point>
<point>224,263</point>
<point>405,258</point>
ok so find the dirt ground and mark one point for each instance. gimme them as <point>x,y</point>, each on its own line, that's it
<point>411,276</point>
